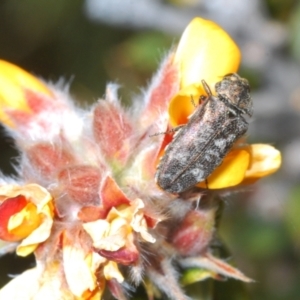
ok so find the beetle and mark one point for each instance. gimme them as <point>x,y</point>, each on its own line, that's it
<point>200,146</point>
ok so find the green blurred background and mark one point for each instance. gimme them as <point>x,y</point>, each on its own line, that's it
<point>91,43</point>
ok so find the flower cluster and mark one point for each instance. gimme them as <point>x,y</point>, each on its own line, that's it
<point>85,200</point>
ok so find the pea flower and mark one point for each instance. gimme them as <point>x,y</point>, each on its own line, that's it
<point>26,216</point>
<point>85,200</point>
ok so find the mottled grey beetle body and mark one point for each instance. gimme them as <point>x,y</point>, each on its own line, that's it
<point>200,146</point>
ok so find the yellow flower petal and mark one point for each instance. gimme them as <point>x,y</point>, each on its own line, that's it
<point>80,268</point>
<point>111,271</point>
<point>37,284</point>
<point>206,51</point>
<point>138,222</point>
<point>231,172</point>
<point>103,238</point>
<point>118,225</point>
<point>32,192</point>
<point>265,161</point>
<point>13,83</point>
<point>114,232</point>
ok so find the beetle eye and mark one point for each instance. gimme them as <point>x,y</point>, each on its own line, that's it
<point>202,98</point>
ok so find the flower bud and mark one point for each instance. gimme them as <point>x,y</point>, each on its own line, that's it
<point>81,183</point>
<point>195,232</point>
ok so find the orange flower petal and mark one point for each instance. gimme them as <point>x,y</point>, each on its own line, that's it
<point>206,51</point>
<point>231,172</point>
<point>183,104</point>
<point>24,222</point>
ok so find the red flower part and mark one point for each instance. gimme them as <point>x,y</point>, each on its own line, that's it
<point>48,158</point>
<point>8,208</point>
<point>151,221</point>
<point>116,289</point>
<point>81,183</point>
<point>112,131</point>
<point>125,256</point>
<point>195,232</point>
<point>111,195</point>
<point>92,213</point>
<point>162,89</point>
<point>39,104</point>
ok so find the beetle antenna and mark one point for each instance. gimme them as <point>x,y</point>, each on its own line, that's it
<point>206,87</point>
